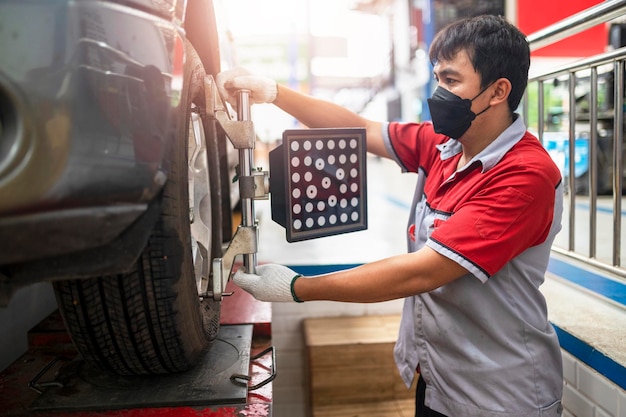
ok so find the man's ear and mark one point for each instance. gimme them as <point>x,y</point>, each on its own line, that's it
<point>501,91</point>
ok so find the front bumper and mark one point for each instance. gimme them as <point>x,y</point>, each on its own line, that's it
<point>88,105</point>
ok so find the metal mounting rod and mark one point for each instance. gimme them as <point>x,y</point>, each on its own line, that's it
<point>245,167</point>
<point>252,185</point>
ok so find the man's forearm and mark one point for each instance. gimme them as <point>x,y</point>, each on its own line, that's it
<point>314,112</point>
<point>318,113</point>
<point>387,279</point>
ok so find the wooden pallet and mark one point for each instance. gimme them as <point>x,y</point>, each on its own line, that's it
<point>350,367</point>
<point>395,408</point>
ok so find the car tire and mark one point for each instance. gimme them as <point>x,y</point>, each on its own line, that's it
<point>153,318</point>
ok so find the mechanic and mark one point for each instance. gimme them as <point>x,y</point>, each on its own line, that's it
<point>486,209</point>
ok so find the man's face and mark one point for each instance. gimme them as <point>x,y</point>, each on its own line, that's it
<point>459,77</point>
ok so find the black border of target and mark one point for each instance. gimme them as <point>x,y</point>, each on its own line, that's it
<point>325,134</point>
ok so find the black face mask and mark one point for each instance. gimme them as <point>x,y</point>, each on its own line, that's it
<point>451,114</point>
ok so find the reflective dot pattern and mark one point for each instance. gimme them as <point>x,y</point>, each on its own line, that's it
<point>326,182</point>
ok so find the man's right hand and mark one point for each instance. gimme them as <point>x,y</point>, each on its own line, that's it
<point>262,89</point>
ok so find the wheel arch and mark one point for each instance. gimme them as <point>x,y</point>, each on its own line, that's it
<point>201,28</point>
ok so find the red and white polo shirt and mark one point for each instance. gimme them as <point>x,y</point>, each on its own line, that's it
<point>483,342</point>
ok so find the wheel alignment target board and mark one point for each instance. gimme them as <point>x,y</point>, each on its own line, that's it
<point>318,182</point>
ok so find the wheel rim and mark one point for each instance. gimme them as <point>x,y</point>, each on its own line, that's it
<point>199,201</point>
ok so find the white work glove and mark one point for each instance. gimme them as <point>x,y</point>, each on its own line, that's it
<point>270,283</point>
<point>262,89</point>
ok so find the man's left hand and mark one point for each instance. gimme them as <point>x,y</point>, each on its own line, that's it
<point>271,282</point>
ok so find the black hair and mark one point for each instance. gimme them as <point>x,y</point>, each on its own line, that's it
<point>496,48</point>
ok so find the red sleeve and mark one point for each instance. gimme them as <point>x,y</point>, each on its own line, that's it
<point>415,144</point>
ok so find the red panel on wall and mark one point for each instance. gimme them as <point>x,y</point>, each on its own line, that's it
<point>534,15</point>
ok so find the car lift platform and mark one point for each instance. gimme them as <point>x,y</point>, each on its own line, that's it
<point>232,380</point>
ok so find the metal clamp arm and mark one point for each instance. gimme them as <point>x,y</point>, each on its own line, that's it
<point>252,185</point>
<point>244,242</point>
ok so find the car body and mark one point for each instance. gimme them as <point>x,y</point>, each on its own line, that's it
<point>102,126</point>
<point>80,125</point>
<point>89,96</point>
